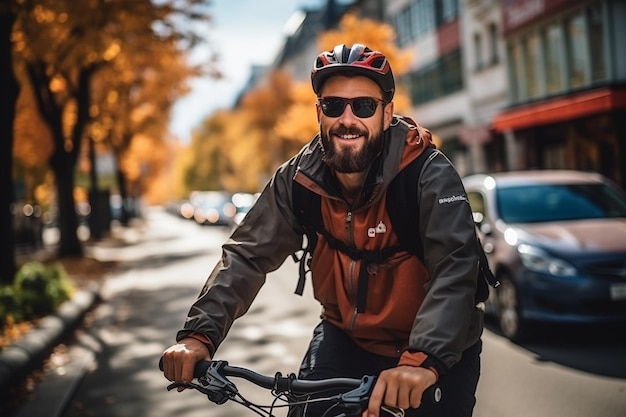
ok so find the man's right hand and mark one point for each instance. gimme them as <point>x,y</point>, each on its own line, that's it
<point>180,359</point>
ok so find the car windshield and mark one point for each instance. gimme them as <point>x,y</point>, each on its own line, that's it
<point>559,202</point>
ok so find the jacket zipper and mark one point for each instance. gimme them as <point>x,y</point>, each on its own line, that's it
<point>351,276</point>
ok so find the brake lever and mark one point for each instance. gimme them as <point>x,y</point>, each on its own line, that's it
<point>216,386</point>
<point>355,401</point>
<point>396,412</point>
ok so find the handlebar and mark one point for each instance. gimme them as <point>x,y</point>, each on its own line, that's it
<point>354,397</point>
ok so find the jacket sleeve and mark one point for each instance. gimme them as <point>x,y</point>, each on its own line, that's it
<point>259,245</point>
<point>445,324</point>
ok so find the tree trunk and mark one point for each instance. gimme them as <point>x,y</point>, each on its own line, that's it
<point>69,244</point>
<point>8,100</point>
<point>63,159</point>
<point>64,164</point>
<point>123,190</point>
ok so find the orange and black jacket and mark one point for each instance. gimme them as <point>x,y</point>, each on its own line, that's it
<point>423,313</point>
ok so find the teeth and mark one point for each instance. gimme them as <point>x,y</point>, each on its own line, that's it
<point>349,136</point>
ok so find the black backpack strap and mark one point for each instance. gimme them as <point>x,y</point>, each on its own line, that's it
<point>370,259</point>
<point>307,208</point>
<point>403,207</point>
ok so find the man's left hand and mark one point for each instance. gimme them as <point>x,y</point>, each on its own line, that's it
<point>400,387</point>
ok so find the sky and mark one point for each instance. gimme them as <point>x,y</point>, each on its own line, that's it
<point>245,33</point>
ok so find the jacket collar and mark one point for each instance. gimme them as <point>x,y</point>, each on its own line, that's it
<point>320,179</point>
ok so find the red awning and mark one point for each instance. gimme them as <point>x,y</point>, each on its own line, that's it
<point>561,109</point>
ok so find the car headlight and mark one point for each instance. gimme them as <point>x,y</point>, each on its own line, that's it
<point>538,260</point>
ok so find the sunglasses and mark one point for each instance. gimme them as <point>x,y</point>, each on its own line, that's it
<point>362,107</point>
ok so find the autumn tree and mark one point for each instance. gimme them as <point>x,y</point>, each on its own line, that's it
<point>133,97</point>
<point>83,38</point>
<point>237,150</point>
<point>33,143</point>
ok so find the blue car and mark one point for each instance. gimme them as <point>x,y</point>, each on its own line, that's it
<point>557,242</point>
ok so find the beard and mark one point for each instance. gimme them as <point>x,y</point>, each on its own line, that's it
<point>349,160</point>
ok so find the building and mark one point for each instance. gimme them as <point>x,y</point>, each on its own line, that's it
<point>567,74</point>
<point>457,81</point>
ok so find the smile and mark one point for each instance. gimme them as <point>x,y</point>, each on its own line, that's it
<point>347,137</point>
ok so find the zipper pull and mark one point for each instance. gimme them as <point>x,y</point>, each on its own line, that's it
<point>349,217</point>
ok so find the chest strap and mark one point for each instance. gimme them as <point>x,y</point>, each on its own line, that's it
<point>370,259</point>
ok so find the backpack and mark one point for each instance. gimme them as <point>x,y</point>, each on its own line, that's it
<point>401,202</point>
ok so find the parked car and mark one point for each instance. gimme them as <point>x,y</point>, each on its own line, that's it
<point>213,208</point>
<point>243,203</point>
<point>557,242</point>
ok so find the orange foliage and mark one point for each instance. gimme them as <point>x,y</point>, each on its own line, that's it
<point>33,142</point>
<point>376,35</point>
<point>299,123</point>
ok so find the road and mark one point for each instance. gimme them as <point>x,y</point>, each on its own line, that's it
<point>567,374</point>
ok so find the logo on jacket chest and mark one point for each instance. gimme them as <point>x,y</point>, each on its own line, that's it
<point>380,228</point>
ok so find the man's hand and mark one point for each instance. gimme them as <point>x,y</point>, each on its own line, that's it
<point>400,387</point>
<point>180,359</point>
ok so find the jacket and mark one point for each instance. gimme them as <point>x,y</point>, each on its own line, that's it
<point>423,313</point>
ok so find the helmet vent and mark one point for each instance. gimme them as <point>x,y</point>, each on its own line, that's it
<point>379,63</point>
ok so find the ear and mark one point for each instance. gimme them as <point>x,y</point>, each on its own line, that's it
<point>388,114</point>
<point>318,111</point>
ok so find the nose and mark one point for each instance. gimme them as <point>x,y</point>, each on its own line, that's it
<point>348,115</point>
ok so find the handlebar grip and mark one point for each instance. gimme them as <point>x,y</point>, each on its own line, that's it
<point>200,369</point>
<point>432,395</point>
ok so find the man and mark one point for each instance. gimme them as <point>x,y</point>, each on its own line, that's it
<point>413,323</point>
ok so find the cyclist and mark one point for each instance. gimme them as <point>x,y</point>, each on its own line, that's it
<point>413,323</point>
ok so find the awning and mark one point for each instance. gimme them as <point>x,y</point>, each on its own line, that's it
<point>561,109</point>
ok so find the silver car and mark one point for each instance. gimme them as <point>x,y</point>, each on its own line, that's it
<point>557,242</point>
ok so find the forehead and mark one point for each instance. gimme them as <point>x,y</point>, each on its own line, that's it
<point>357,86</point>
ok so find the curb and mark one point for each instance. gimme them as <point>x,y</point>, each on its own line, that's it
<point>27,353</point>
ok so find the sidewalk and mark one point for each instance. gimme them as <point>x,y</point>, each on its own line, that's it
<point>26,354</point>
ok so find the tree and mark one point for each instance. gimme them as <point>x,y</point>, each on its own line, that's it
<point>82,39</point>
<point>132,99</point>
<point>8,100</point>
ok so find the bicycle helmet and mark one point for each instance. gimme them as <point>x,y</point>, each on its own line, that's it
<point>359,59</point>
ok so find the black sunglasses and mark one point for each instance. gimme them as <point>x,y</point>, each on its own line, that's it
<point>362,107</point>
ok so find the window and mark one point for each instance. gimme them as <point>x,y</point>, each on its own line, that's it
<point>553,59</point>
<point>569,52</point>
<point>515,69</point>
<point>493,43</point>
<point>596,43</point>
<point>447,11</point>
<point>558,202</point>
<point>576,51</point>
<point>530,48</point>
<point>402,23</point>
<point>452,73</point>
<point>477,203</point>
<point>441,78</point>
<point>478,51</point>
<point>425,10</point>
<point>421,17</point>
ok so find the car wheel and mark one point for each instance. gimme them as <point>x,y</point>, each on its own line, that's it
<point>510,310</point>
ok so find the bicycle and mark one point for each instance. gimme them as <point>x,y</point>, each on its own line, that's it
<point>288,390</point>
